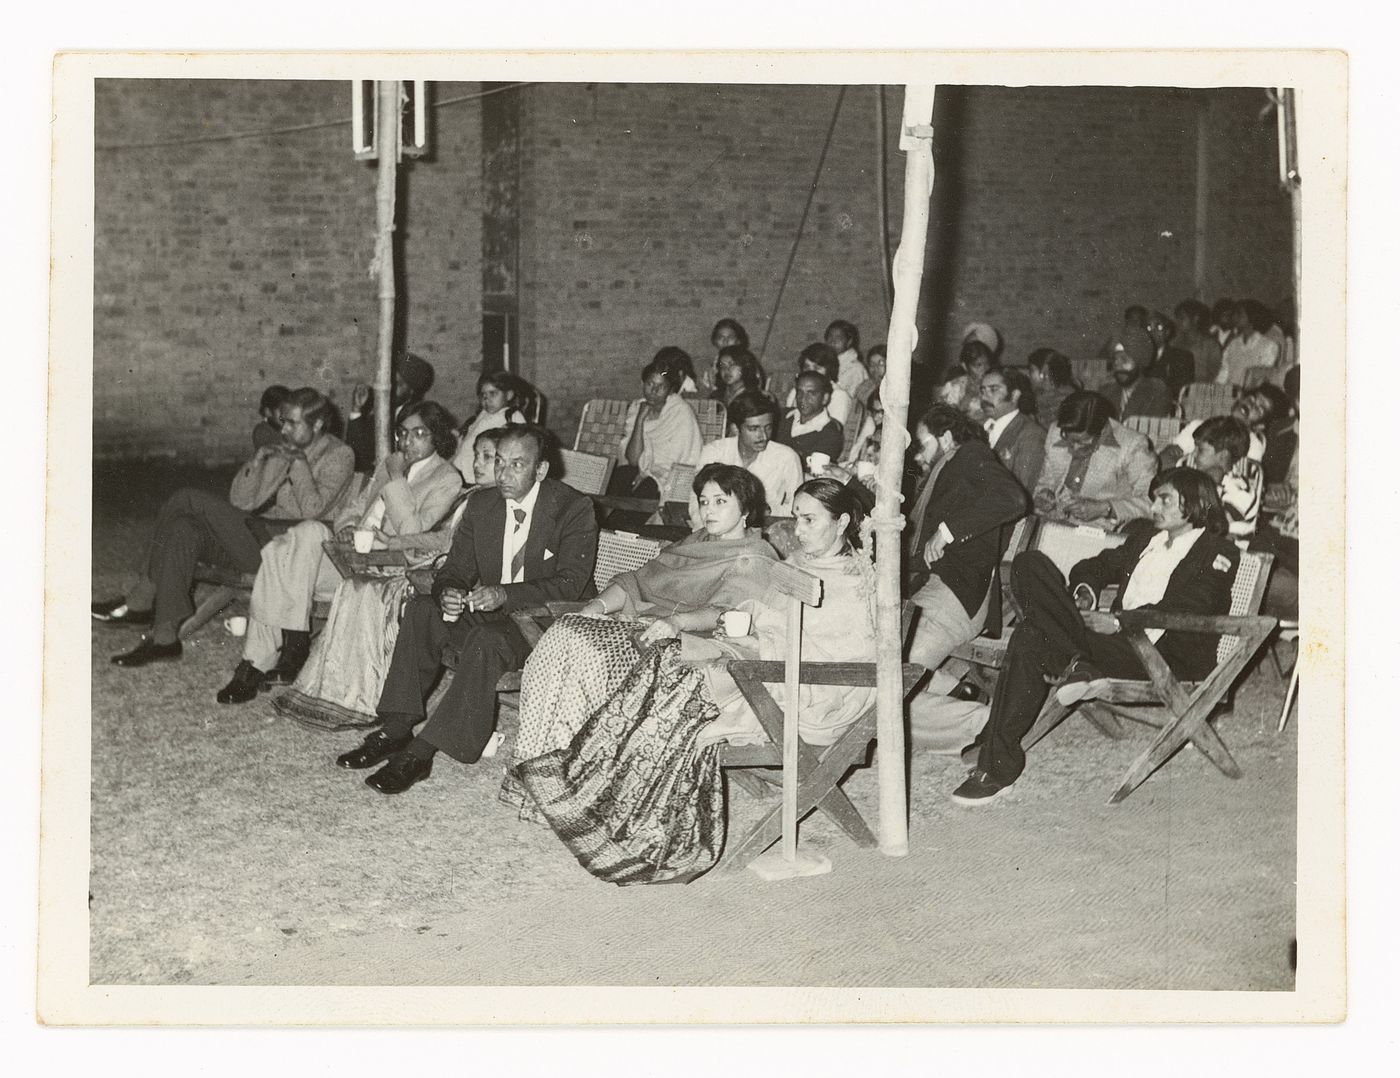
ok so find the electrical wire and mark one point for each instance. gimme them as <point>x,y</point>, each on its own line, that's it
<point>797,239</point>
<point>315,126</point>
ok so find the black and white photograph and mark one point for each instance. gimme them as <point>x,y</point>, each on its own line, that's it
<point>596,525</point>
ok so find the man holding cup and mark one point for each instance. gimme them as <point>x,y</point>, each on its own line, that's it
<point>527,541</point>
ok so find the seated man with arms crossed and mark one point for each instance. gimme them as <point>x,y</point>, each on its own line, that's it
<point>526,541</point>
<point>303,477</point>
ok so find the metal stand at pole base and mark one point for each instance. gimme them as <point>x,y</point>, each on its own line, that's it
<point>773,866</point>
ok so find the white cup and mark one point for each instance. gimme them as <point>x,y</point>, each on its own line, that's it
<point>816,464</point>
<point>364,540</point>
<point>735,622</point>
<point>236,625</point>
<point>865,470</point>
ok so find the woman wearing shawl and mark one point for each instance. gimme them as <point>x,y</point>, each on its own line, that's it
<point>582,659</point>
<point>339,686</point>
<point>636,794</point>
<point>661,431</point>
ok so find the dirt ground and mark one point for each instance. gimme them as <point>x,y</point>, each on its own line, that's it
<point>228,849</point>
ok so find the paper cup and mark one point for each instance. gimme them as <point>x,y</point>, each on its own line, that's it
<point>364,540</point>
<point>237,625</point>
<point>817,462</point>
<point>735,622</point>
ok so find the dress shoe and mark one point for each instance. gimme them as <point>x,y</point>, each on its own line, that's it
<point>966,689</point>
<point>116,612</point>
<point>1083,681</point>
<point>979,788</point>
<point>148,651</point>
<point>296,649</point>
<point>402,771</point>
<point>243,687</point>
<point>376,748</point>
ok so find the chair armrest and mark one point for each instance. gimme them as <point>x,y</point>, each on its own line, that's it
<point>1194,623</point>
<point>853,675</point>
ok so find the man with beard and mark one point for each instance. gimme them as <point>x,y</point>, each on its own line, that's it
<point>1131,392</point>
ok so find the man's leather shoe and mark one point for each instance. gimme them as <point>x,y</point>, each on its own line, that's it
<point>376,748</point>
<point>402,771</point>
<point>966,689</point>
<point>243,687</point>
<point>148,651</point>
<point>116,612</point>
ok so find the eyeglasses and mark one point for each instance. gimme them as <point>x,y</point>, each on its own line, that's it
<point>419,433</point>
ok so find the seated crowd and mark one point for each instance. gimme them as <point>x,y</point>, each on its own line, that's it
<point>620,723</point>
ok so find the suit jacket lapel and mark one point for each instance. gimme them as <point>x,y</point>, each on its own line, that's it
<point>537,542</point>
<point>490,539</point>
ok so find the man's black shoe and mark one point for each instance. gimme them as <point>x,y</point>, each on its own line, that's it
<point>116,612</point>
<point>296,649</point>
<point>148,651</point>
<point>966,689</point>
<point>243,687</point>
<point>376,748</point>
<point>402,771</point>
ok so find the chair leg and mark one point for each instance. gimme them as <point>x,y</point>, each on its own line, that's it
<point>1051,715</point>
<point>211,606</point>
<point>1288,699</point>
<point>1103,720</point>
<point>1190,725</point>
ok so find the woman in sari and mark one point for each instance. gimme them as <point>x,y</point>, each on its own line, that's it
<point>580,661</point>
<point>339,686</point>
<point>636,794</point>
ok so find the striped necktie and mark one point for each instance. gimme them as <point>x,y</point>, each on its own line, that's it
<point>517,561</point>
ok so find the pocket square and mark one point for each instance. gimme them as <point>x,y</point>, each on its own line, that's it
<point>548,553</point>
<point>1221,563</point>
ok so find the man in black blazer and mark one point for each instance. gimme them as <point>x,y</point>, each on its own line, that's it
<point>1181,562</point>
<point>958,529</point>
<point>526,541</point>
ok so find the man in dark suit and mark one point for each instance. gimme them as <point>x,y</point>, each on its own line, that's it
<point>959,526</point>
<point>1133,392</point>
<point>1008,401</point>
<point>526,541</point>
<point>1181,562</point>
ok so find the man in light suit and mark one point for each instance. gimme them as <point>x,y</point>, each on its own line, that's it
<point>1008,401</point>
<point>526,541</point>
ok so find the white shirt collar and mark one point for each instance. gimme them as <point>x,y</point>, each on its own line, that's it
<point>995,428</point>
<point>526,503</point>
<point>817,422</point>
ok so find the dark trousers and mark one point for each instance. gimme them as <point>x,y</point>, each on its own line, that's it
<point>1050,634</point>
<point>486,646</point>
<point>191,527</point>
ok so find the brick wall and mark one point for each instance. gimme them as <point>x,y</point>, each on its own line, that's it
<point>647,212</point>
<point>224,266</point>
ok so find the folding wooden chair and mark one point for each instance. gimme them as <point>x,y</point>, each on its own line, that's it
<point>714,420</point>
<point>1201,400</point>
<point>811,774</point>
<point>587,473</point>
<point>601,427</point>
<point>1089,373</point>
<point>1161,430</point>
<point>1183,708</point>
<point>1064,544</point>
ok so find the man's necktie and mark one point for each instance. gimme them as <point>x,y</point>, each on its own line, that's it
<point>517,561</point>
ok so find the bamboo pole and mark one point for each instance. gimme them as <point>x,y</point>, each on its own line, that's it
<point>386,141</point>
<point>916,140</point>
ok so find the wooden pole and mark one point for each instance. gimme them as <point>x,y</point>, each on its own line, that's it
<point>916,140</point>
<point>1288,106</point>
<point>790,712</point>
<point>386,141</point>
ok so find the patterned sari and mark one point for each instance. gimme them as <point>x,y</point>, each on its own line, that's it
<point>634,798</point>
